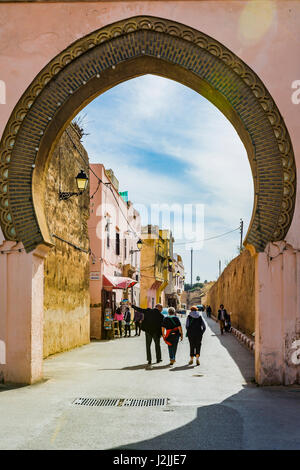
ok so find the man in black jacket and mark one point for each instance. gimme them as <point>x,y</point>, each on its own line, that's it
<point>151,324</point>
<point>222,317</point>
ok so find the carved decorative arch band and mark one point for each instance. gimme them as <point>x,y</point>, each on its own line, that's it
<point>120,51</point>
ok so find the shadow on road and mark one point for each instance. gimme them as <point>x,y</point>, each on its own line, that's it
<point>7,387</point>
<point>215,427</point>
<point>12,386</point>
<point>186,367</point>
<point>159,367</point>
<point>245,362</point>
<point>142,366</point>
<point>137,367</point>
<point>239,422</point>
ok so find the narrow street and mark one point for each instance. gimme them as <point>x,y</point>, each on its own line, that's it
<point>213,406</point>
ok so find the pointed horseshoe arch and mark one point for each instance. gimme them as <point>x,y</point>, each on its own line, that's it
<point>118,52</point>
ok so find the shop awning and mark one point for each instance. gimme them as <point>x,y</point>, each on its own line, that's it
<point>118,282</point>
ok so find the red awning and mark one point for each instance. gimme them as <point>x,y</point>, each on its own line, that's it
<point>118,282</point>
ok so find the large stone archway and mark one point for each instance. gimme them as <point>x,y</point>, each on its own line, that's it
<point>119,52</point>
<point>101,60</point>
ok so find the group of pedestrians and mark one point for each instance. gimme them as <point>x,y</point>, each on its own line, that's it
<point>126,317</point>
<point>157,325</point>
<point>208,311</point>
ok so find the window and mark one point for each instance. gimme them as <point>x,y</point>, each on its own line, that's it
<point>117,243</point>
<point>125,249</point>
<point>107,229</point>
<point>108,238</point>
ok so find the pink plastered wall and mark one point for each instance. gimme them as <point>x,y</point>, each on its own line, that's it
<point>21,313</point>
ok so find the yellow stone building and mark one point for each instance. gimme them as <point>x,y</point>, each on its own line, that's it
<point>155,256</point>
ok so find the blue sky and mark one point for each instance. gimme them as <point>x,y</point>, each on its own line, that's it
<point>168,144</point>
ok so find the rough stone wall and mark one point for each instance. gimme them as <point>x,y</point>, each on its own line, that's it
<point>235,289</point>
<point>66,298</point>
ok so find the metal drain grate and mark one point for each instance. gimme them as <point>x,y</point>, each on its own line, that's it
<point>145,402</point>
<point>96,402</point>
<point>121,401</point>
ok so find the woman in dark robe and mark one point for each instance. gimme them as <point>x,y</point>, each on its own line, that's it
<point>195,328</point>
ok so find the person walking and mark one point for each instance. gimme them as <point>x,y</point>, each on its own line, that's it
<point>119,318</point>
<point>228,323</point>
<point>222,317</point>
<point>172,331</point>
<point>138,318</point>
<point>127,319</point>
<point>195,327</point>
<point>208,311</point>
<point>151,325</point>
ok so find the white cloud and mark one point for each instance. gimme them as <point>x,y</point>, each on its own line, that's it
<point>140,121</point>
<point>150,98</point>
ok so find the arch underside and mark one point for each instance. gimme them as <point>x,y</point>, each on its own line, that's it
<point>122,51</point>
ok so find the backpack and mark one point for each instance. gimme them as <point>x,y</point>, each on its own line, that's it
<point>191,322</point>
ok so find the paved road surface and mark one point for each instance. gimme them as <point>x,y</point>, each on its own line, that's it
<point>213,406</point>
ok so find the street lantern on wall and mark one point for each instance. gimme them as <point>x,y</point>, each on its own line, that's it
<point>81,182</point>
<point>139,245</point>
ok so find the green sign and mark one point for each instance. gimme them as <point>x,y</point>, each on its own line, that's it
<point>124,195</point>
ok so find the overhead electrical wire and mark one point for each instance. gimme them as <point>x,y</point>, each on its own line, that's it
<point>96,190</point>
<point>206,239</point>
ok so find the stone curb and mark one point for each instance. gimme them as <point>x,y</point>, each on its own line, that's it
<point>249,343</point>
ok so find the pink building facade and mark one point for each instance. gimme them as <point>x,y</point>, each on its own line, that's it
<point>114,229</point>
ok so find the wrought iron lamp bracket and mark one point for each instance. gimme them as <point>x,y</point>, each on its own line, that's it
<point>63,196</point>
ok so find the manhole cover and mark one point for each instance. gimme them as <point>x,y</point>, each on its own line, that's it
<point>121,401</point>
